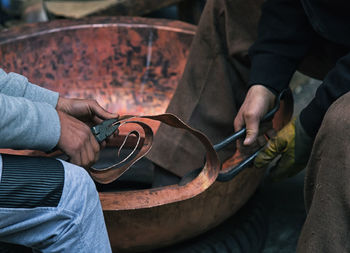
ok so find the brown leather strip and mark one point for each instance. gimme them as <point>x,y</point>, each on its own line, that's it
<point>110,174</point>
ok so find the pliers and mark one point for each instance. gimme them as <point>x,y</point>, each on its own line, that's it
<point>105,129</point>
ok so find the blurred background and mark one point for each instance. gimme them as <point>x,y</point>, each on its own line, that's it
<point>14,12</point>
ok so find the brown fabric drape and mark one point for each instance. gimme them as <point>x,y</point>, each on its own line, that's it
<point>327,188</point>
<point>213,85</point>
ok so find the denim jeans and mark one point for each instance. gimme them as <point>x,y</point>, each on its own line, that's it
<point>76,224</point>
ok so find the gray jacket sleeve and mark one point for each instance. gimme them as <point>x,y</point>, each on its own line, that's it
<point>28,116</point>
<point>16,85</point>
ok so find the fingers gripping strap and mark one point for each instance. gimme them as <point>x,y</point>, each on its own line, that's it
<point>29,182</point>
<point>109,174</point>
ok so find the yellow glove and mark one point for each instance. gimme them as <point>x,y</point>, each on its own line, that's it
<point>294,146</point>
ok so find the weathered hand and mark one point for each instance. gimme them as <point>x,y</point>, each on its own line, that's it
<point>294,146</point>
<point>258,101</point>
<point>86,110</point>
<point>77,141</point>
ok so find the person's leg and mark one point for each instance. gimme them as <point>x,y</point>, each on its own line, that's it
<point>327,187</point>
<point>50,206</point>
<point>213,85</point>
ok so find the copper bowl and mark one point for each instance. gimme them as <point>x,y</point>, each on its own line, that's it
<point>130,66</point>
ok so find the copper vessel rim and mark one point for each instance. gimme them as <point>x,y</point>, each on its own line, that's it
<point>31,31</point>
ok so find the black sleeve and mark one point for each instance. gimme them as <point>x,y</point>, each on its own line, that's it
<point>284,37</point>
<point>335,84</point>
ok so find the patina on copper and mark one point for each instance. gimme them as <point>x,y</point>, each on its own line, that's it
<point>131,66</point>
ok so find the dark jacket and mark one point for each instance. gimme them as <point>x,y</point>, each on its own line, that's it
<point>288,30</point>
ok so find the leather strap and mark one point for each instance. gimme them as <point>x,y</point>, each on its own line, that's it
<point>110,174</point>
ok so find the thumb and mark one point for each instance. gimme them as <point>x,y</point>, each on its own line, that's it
<point>101,112</point>
<point>252,125</point>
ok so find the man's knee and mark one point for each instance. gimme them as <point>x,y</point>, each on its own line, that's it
<point>85,183</point>
<point>79,188</point>
<point>89,185</point>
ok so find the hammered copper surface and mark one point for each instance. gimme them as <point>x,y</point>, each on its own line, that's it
<point>131,66</point>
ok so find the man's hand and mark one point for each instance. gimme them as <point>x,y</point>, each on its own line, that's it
<point>258,102</point>
<point>294,146</point>
<point>86,110</point>
<point>77,116</point>
<point>77,141</point>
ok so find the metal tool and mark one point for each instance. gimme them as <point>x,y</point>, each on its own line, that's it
<point>226,176</point>
<point>229,175</point>
<point>105,129</point>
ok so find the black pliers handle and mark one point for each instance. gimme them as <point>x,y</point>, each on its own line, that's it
<point>105,129</point>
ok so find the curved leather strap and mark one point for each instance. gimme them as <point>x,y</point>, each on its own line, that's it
<point>110,174</point>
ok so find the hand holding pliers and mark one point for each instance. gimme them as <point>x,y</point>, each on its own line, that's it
<point>105,129</point>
